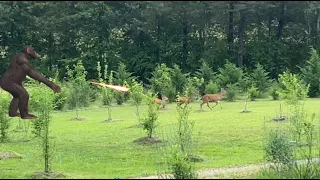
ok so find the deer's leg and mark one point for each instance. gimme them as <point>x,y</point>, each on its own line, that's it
<point>215,105</point>
<point>201,106</point>
<point>208,105</point>
<point>220,104</point>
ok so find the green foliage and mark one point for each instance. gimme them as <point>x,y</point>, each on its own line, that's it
<point>4,120</point>
<point>180,165</point>
<point>149,122</point>
<point>161,80</point>
<point>230,74</point>
<point>294,89</point>
<point>311,73</point>
<point>211,88</point>
<point>253,93</point>
<point>192,86</point>
<point>260,78</point>
<point>79,88</point>
<point>120,78</point>
<point>205,72</point>
<point>278,148</point>
<point>232,90</point>
<point>44,110</point>
<point>179,79</point>
<point>137,95</point>
<point>245,83</point>
<point>274,90</point>
<point>179,161</point>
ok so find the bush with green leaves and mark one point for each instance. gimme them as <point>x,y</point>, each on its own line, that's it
<point>193,86</point>
<point>253,93</point>
<point>293,88</point>
<point>311,73</point>
<point>45,107</point>
<point>274,90</point>
<point>229,74</point>
<point>4,119</point>
<point>161,80</point>
<point>179,161</point>
<point>211,88</point>
<point>180,165</point>
<point>179,79</point>
<point>204,72</point>
<point>149,122</point>
<point>79,87</point>
<point>260,79</point>
<point>60,99</point>
<point>121,76</point>
<point>278,148</point>
<point>136,95</point>
<point>232,92</point>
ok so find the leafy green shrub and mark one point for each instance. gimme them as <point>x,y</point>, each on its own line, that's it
<point>180,166</point>
<point>170,92</point>
<point>4,120</point>
<point>311,73</point>
<point>293,88</point>
<point>211,88</point>
<point>230,74</point>
<point>253,93</point>
<point>79,88</point>
<point>149,122</point>
<point>260,78</point>
<point>137,95</point>
<point>232,90</point>
<point>179,79</point>
<point>204,72</point>
<point>278,148</point>
<point>161,79</point>
<point>274,91</point>
<point>119,97</point>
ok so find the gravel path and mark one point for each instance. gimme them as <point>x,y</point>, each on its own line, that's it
<point>214,173</point>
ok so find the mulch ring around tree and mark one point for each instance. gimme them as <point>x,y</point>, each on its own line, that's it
<point>48,175</point>
<point>147,140</point>
<point>111,121</point>
<point>79,118</point>
<point>9,155</point>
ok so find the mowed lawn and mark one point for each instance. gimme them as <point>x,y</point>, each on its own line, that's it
<point>91,149</point>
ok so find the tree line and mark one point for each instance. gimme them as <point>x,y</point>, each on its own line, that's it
<point>143,35</point>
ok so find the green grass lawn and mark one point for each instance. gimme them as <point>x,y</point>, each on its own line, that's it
<point>91,149</point>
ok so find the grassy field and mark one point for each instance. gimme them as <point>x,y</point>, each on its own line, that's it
<point>91,149</point>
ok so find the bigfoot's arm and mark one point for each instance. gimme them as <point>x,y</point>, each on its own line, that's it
<point>34,74</point>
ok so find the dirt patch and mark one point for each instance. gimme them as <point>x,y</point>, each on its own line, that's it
<point>9,155</point>
<point>49,175</point>
<point>281,118</point>
<point>79,118</point>
<point>111,121</point>
<point>245,111</point>
<point>147,140</point>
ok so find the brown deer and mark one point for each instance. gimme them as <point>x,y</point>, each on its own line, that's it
<point>183,100</point>
<point>206,98</point>
<point>161,101</point>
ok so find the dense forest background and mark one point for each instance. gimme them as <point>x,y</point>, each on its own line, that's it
<point>142,35</point>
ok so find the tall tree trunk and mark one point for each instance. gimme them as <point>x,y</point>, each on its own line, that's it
<point>281,20</point>
<point>318,26</point>
<point>230,26</point>
<point>184,44</point>
<point>158,38</point>
<point>269,26</point>
<point>278,38</point>
<point>241,39</point>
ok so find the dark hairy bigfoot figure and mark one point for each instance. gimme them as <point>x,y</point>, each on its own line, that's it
<point>12,79</point>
